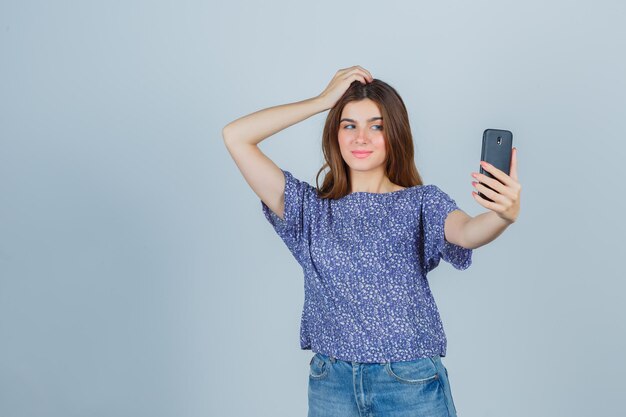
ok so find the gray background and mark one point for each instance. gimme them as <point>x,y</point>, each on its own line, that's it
<point>138,276</point>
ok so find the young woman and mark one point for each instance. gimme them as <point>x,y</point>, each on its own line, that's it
<point>366,240</point>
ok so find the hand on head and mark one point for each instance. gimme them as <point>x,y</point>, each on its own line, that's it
<point>341,81</point>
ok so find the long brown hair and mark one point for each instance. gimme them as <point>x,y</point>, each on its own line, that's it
<point>399,164</point>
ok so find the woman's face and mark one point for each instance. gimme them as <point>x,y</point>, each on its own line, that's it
<point>361,129</point>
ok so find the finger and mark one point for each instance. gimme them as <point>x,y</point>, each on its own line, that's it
<point>514,164</point>
<point>356,76</point>
<point>508,191</point>
<point>361,70</point>
<point>504,178</point>
<point>344,71</point>
<point>491,182</point>
<point>487,204</point>
<point>495,196</point>
<point>366,75</point>
<point>352,68</point>
<point>369,74</point>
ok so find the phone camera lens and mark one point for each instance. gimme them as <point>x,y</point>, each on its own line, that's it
<point>499,139</point>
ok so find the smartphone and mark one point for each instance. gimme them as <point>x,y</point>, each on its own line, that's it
<point>496,150</point>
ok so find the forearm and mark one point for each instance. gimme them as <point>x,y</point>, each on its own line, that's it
<point>482,229</point>
<point>257,126</point>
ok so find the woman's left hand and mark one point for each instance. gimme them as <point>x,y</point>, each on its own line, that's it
<point>506,202</point>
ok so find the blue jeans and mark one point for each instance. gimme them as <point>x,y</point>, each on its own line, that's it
<point>389,389</point>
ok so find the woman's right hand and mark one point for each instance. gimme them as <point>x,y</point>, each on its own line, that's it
<point>340,83</point>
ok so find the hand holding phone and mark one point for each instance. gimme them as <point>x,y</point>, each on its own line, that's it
<point>496,150</point>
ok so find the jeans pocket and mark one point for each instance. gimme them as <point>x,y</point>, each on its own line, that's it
<point>318,367</point>
<point>417,371</point>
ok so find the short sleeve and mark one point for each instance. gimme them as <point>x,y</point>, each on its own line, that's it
<point>292,229</point>
<point>436,205</point>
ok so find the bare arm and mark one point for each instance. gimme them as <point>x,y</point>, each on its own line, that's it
<point>242,136</point>
<point>255,127</point>
<point>260,172</point>
<point>473,232</point>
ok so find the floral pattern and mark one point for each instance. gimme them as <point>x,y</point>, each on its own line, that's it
<point>365,259</point>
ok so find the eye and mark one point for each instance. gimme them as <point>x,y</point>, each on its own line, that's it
<point>379,127</point>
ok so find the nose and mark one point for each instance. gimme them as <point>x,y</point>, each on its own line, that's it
<point>361,136</point>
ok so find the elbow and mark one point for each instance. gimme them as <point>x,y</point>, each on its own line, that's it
<point>229,135</point>
<point>226,132</point>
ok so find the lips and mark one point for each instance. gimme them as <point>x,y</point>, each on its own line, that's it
<point>361,154</point>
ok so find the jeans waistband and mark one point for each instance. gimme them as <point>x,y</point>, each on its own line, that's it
<point>333,360</point>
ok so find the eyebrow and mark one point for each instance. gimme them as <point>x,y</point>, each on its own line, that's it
<point>345,119</point>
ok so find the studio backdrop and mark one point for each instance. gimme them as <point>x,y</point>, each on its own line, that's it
<point>139,277</point>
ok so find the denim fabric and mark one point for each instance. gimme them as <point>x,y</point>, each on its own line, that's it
<point>415,388</point>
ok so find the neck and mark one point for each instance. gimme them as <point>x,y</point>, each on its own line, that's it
<point>371,182</point>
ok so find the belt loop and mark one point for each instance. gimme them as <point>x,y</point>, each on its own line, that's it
<point>332,360</point>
